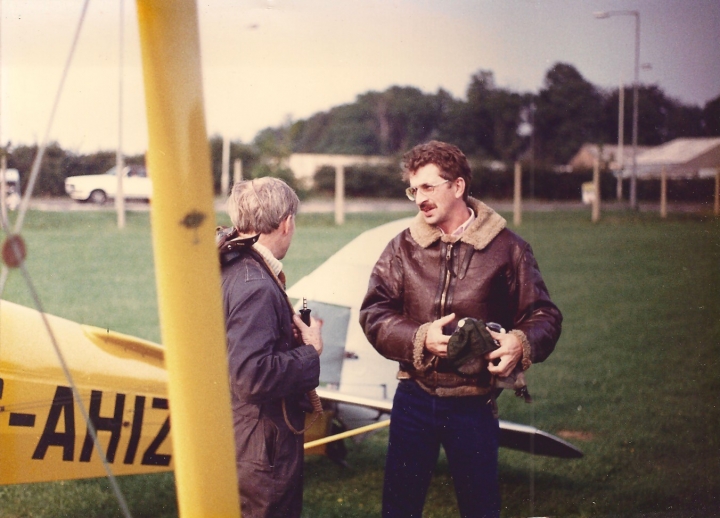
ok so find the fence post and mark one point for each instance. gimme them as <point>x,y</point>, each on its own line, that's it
<point>339,194</point>
<point>517,198</point>
<point>237,171</point>
<point>663,193</point>
<point>596,188</point>
<point>119,191</point>
<point>717,192</point>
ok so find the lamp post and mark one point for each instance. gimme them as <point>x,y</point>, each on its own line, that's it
<point>636,14</point>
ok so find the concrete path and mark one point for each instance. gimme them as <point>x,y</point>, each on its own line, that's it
<point>353,205</point>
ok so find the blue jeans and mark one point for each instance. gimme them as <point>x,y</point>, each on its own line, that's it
<point>468,432</point>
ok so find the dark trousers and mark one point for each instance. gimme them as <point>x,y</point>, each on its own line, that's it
<point>269,463</point>
<point>468,432</point>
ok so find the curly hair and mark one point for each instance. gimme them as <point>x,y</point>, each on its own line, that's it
<point>452,162</point>
<point>259,206</point>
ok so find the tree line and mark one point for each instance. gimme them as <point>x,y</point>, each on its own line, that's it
<point>491,124</point>
<point>497,123</point>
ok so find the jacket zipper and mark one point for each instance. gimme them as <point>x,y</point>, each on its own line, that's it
<point>443,297</point>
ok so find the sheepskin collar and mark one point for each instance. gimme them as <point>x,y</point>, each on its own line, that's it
<point>482,230</point>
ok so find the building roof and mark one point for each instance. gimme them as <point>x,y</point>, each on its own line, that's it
<point>681,158</point>
<point>609,154</point>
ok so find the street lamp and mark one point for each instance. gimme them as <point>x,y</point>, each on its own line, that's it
<point>636,14</point>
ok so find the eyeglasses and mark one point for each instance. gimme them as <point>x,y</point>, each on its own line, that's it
<point>425,188</point>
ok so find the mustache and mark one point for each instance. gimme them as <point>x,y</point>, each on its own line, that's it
<point>427,205</point>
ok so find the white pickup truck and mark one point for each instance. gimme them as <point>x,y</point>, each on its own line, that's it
<point>98,188</point>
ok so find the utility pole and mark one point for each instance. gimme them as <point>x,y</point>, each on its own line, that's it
<point>119,162</point>
<point>633,177</point>
<point>621,140</point>
<point>225,169</point>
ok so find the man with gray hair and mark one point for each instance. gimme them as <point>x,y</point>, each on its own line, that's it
<point>274,357</point>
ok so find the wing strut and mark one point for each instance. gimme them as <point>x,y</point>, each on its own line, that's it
<point>186,264</point>
<point>345,435</point>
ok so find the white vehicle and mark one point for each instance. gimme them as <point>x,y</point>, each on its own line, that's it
<point>97,188</point>
<point>12,188</point>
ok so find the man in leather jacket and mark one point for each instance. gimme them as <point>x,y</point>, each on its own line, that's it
<point>274,358</point>
<point>456,260</point>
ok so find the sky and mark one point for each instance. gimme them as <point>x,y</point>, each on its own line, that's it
<point>266,62</point>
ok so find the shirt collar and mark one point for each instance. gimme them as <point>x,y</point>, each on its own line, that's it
<point>458,231</point>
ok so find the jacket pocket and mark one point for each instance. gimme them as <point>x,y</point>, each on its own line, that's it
<point>270,433</point>
<point>256,444</point>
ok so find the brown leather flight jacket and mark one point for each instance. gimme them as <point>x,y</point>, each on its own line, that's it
<point>487,273</point>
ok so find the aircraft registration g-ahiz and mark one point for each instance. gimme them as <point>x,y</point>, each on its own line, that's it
<point>123,382</point>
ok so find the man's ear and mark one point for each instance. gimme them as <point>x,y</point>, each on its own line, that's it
<point>460,186</point>
<point>285,225</point>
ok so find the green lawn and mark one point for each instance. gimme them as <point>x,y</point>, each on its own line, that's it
<point>633,382</point>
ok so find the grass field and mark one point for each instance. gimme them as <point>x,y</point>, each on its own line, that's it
<point>633,382</point>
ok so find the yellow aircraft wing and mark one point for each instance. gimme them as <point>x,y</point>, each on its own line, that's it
<point>122,383</point>
<point>120,379</point>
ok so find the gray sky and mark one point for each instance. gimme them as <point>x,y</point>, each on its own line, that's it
<point>265,61</point>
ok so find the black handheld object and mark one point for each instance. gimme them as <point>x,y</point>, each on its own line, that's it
<point>492,326</point>
<point>305,313</point>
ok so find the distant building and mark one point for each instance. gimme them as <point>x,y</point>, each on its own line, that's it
<point>682,158</point>
<point>305,165</point>
<point>609,156</point>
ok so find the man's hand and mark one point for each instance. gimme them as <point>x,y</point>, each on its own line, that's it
<point>435,341</point>
<point>310,335</point>
<point>509,353</point>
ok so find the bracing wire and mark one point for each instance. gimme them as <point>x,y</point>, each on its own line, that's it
<point>26,275</point>
<point>76,394</point>
<point>3,210</point>
<point>41,151</point>
<point>35,170</point>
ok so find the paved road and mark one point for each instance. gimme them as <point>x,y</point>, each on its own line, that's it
<point>67,205</point>
<point>380,205</point>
